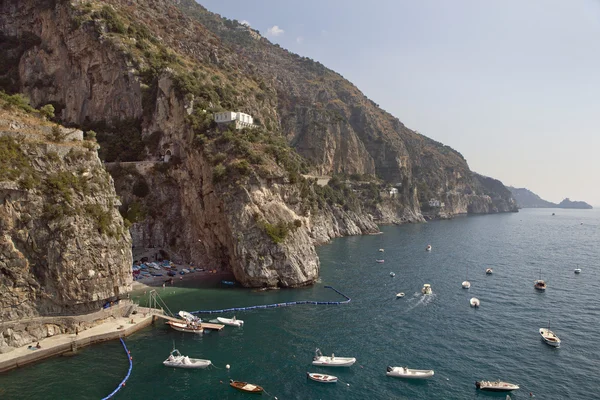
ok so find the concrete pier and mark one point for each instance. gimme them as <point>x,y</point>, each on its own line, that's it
<point>59,344</point>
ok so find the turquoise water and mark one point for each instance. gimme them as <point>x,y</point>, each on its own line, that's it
<point>440,332</point>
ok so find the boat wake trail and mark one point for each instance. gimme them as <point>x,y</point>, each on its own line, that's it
<point>420,300</point>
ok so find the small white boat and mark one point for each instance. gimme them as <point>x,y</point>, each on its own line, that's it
<point>322,377</point>
<point>489,271</point>
<point>392,274</point>
<point>403,372</point>
<point>428,248</point>
<point>497,386</point>
<point>381,250</point>
<point>474,302</point>
<point>577,270</point>
<point>184,326</point>
<point>466,284</point>
<point>400,295</point>
<point>179,361</point>
<point>332,361</point>
<point>549,337</point>
<point>539,285</point>
<point>189,317</point>
<point>380,261</point>
<point>426,289</point>
<point>230,321</point>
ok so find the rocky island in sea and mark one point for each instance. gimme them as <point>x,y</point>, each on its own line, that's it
<point>527,199</point>
<point>297,156</point>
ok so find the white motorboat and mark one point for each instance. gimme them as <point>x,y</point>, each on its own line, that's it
<point>189,317</point>
<point>380,261</point>
<point>426,289</point>
<point>179,361</point>
<point>230,321</point>
<point>400,295</point>
<point>322,377</point>
<point>539,285</point>
<point>489,271</point>
<point>332,361</point>
<point>428,248</point>
<point>404,372</point>
<point>497,386</point>
<point>474,302</point>
<point>466,284</point>
<point>577,270</point>
<point>381,250</point>
<point>549,337</point>
<point>392,274</point>
<point>184,326</point>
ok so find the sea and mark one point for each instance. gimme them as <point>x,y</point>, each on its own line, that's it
<point>274,348</point>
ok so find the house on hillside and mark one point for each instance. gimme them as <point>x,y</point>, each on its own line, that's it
<point>240,119</point>
<point>393,192</point>
<point>436,203</point>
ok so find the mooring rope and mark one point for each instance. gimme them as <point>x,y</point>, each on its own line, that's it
<point>286,304</point>
<point>122,384</point>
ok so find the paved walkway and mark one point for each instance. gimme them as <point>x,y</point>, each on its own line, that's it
<point>54,345</point>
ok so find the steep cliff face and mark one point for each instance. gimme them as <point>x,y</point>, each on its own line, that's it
<point>148,75</point>
<point>335,126</point>
<point>57,64</point>
<point>63,245</point>
<point>255,225</point>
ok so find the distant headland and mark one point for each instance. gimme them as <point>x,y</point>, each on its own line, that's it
<point>527,199</point>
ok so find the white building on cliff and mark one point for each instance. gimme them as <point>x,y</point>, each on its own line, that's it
<point>240,119</point>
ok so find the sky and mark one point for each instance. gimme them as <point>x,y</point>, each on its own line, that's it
<point>514,85</point>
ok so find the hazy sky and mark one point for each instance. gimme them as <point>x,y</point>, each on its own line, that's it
<point>514,85</point>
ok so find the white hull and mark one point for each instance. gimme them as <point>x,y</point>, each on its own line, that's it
<point>549,337</point>
<point>196,364</point>
<point>176,360</point>
<point>426,289</point>
<point>325,361</point>
<point>406,373</point>
<point>497,386</point>
<point>474,302</point>
<point>400,295</point>
<point>230,322</point>
<point>182,327</point>
<point>466,285</point>
<point>322,378</point>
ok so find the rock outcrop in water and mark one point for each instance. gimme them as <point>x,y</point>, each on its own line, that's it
<point>147,77</point>
<point>64,248</point>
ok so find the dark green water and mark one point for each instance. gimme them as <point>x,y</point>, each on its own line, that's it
<point>441,332</point>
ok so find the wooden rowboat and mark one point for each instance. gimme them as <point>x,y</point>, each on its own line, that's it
<point>322,377</point>
<point>245,387</point>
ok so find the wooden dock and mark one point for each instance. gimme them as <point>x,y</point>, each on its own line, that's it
<point>214,327</point>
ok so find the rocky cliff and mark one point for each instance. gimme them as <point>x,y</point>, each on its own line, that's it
<point>63,246</point>
<point>147,76</point>
<point>527,199</point>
